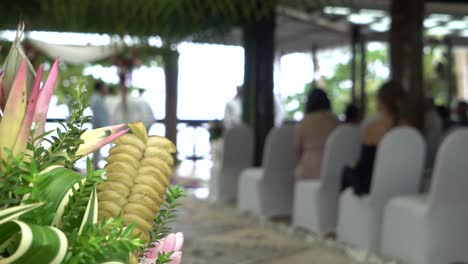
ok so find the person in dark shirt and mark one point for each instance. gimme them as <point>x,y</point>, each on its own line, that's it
<point>390,98</point>
<point>445,115</point>
<point>462,113</point>
<point>352,114</point>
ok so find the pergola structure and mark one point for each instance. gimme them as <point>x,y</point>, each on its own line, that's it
<point>263,27</point>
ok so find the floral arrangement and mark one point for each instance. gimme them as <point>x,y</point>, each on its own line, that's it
<point>50,213</point>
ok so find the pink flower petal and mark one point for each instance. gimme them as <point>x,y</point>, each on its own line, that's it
<point>169,243</point>
<point>149,261</point>
<point>15,109</point>
<point>176,257</point>
<point>179,241</point>
<point>89,147</point>
<point>23,134</point>
<point>45,95</point>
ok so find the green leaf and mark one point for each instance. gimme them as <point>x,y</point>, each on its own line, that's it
<point>14,212</point>
<point>91,213</point>
<point>43,244</point>
<point>75,209</point>
<point>23,190</point>
<point>53,188</point>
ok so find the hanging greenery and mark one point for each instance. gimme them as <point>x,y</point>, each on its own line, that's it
<point>170,19</point>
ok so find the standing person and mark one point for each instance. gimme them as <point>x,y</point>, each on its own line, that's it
<point>146,112</point>
<point>100,112</point>
<point>112,100</point>
<point>233,110</point>
<point>312,133</point>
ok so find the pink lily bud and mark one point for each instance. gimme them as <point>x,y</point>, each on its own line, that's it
<point>96,138</point>
<point>179,241</point>
<point>171,243</point>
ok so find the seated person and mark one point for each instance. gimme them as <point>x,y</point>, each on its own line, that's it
<point>352,114</point>
<point>312,133</point>
<point>389,100</point>
<point>462,113</point>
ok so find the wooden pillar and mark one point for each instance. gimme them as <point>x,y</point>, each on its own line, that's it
<point>258,79</point>
<point>354,43</point>
<point>362,92</point>
<point>406,54</point>
<point>171,69</point>
<point>449,74</point>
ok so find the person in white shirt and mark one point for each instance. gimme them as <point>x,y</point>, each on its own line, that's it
<point>233,111</point>
<point>136,109</point>
<point>100,112</point>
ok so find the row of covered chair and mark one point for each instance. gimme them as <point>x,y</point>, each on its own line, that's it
<point>267,190</point>
<point>393,220</point>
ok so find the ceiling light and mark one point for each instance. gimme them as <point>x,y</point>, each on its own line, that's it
<point>457,24</point>
<point>360,18</point>
<point>438,31</point>
<point>334,10</point>
<point>372,12</point>
<point>430,22</point>
<point>441,17</point>
<point>380,27</point>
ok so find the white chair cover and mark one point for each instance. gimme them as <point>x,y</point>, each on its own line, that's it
<point>268,191</point>
<point>398,169</point>
<point>432,229</point>
<point>237,155</point>
<point>316,201</point>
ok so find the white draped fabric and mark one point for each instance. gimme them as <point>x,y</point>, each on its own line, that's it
<point>74,54</point>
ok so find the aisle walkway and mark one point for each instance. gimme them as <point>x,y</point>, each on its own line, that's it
<point>221,235</point>
<point>217,234</point>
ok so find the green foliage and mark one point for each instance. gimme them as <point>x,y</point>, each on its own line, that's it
<point>106,240</point>
<point>31,180</point>
<point>338,85</point>
<point>171,19</point>
<point>164,257</point>
<point>72,76</point>
<point>65,144</point>
<point>76,207</point>
<point>12,183</point>
<point>435,74</point>
<point>167,213</point>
